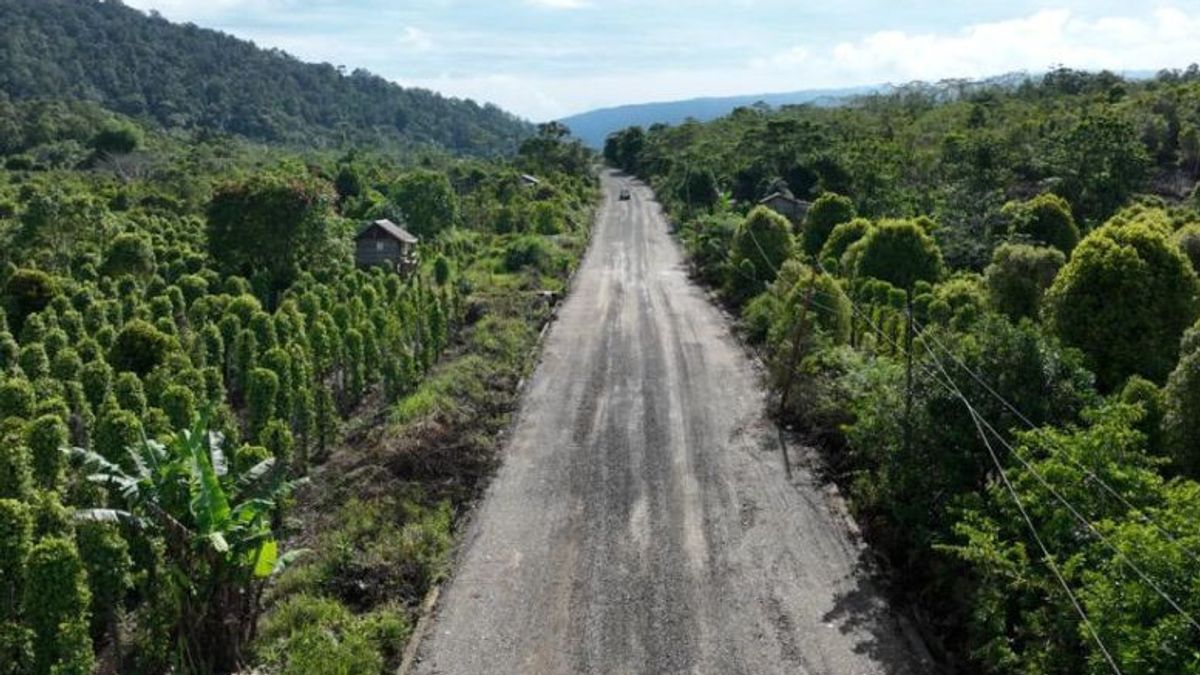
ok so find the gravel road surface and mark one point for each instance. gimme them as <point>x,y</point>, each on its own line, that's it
<point>641,521</point>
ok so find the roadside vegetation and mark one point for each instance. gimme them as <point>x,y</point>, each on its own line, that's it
<point>988,322</point>
<point>222,446</point>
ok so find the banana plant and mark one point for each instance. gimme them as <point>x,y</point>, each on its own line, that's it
<point>216,524</point>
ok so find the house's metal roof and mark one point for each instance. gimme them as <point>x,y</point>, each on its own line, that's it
<point>779,195</point>
<point>530,179</point>
<point>393,230</point>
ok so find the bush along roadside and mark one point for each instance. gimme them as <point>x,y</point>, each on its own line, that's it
<point>380,516</point>
<point>261,430</point>
<point>1010,410</point>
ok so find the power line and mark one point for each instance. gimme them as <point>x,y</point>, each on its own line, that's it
<point>980,422</point>
<point>1057,450</point>
<point>1049,559</point>
<point>1062,500</point>
<point>949,385</point>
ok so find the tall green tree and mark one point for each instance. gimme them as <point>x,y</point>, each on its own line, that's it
<point>273,224</point>
<point>1125,299</point>
<point>428,202</point>
<point>761,244</point>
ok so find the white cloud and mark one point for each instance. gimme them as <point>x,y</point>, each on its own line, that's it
<point>548,64</point>
<point>560,4</point>
<point>415,39</point>
<point>1165,37</point>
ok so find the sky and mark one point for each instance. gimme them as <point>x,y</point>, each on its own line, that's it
<point>546,59</point>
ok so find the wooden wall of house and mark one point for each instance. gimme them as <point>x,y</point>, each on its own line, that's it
<point>369,252</point>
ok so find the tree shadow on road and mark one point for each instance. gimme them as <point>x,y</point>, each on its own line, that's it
<point>880,633</point>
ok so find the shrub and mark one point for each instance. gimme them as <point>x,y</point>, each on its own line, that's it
<point>16,540</point>
<point>16,471</point>
<point>96,378</point>
<point>9,351</point>
<point>261,392</point>
<point>840,239</point>
<point>66,365</point>
<point>28,291</point>
<point>899,252</point>
<point>441,270</point>
<point>16,398</point>
<point>129,254</point>
<point>46,438</point>
<point>33,361</point>
<point>1046,219</point>
<point>1143,393</point>
<point>116,430</point>
<point>1124,299</point>
<point>1187,238</point>
<point>761,244</point>
<point>829,211</point>
<point>1019,276</point>
<point>758,315</point>
<point>139,348</point>
<point>179,403</point>
<point>106,558</point>
<point>527,251</point>
<point>276,437</point>
<point>55,607</point>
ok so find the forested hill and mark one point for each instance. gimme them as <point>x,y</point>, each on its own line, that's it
<point>183,76</point>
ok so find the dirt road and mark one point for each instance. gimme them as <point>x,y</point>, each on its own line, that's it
<point>642,522</point>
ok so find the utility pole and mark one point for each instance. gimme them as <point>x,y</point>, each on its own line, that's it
<point>908,373</point>
<point>798,336</point>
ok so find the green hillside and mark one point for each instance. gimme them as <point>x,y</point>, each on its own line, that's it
<point>186,77</point>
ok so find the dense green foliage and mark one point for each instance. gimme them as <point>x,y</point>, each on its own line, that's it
<point>1023,408</point>
<point>193,323</point>
<point>185,77</point>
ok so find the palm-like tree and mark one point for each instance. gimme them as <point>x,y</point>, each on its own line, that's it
<point>217,527</point>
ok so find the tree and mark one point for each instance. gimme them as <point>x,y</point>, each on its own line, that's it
<point>1045,219</point>
<point>1187,238</point>
<point>1018,277</point>
<point>139,348</point>
<point>16,398</point>
<point>829,211</point>
<point>441,270</point>
<point>216,524</point>
<point>55,607</point>
<point>46,437</point>
<point>179,402</point>
<point>623,149</point>
<point>273,224</point>
<point>840,240</point>
<point>761,244</point>
<point>27,291</point>
<point>1125,298</point>
<point>428,202</point>
<point>261,392</point>
<point>1103,162</point>
<point>116,139</point>
<point>698,188</point>
<point>899,252</point>
<point>129,254</point>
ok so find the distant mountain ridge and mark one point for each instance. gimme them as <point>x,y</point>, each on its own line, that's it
<point>180,76</point>
<point>594,126</point>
